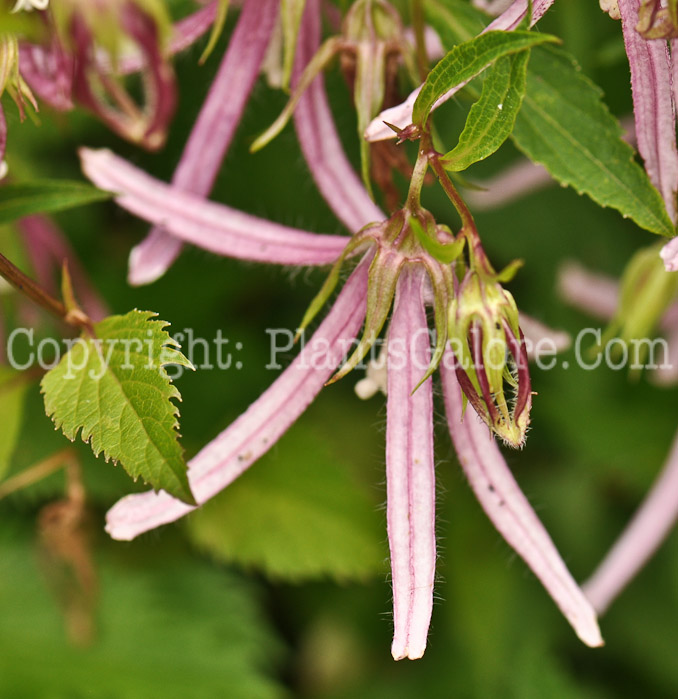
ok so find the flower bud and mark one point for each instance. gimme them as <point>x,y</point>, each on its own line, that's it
<point>646,291</point>
<point>490,351</point>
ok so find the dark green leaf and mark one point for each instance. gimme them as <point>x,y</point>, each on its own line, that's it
<point>45,196</point>
<point>166,625</point>
<point>565,125</point>
<point>467,60</point>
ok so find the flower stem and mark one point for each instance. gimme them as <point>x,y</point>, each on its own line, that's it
<point>417,13</point>
<point>37,294</point>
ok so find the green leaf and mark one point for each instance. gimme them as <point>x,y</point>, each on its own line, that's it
<point>167,625</point>
<point>467,60</point>
<point>294,516</point>
<point>493,116</point>
<point>44,196</point>
<point>117,390</point>
<point>565,125</point>
<point>443,252</point>
<point>12,393</point>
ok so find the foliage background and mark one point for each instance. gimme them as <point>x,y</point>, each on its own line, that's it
<point>280,587</point>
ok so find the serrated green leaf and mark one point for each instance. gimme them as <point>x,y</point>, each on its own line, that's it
<point>492,117</point>
<point>12,393</point>
<point>167,625</point>
<point>44,196</point>
<point>294,516</point>
<point>116,389</point>
<point>565,125</point>
<point>469,59</point>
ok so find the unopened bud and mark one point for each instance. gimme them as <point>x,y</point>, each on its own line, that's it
<point>490,354</point>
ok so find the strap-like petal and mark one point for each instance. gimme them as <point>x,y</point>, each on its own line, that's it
<point>259,428</point>
<point>410,474</point>
<point>510,512</point>
<point>209,225</point>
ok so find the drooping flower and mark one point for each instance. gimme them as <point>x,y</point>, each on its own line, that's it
<point>213,130</point>
<point>400,116</point>
<point>409,438</point>
<point>396,270</point>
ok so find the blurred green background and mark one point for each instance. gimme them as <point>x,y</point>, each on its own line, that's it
<point>279,587</point>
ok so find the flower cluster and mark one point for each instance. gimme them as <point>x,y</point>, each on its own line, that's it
<point>407,262</point>
<point>404,263</point>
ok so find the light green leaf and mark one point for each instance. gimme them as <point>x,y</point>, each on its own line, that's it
<point>298,514</point>
<point>565,125</point>
<point>117,390</point>
<point>12,393</point>
<point>166,625</point>
<point>467,60</point>
<point>44,196</point>
<point>493,116</point>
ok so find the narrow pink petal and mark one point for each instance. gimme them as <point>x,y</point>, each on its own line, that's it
<point>212,226</point>
<point>652,105</point>
<point>595,294</point>
<point>669,254</point>
<point>335,178</point>
<point>401,114</point>
<point>510,512</point>
<point>641,538</point>
<point>410,474</point>
<point>48,70</point>
<point>48,249</point>
<point>265,421</point>
<point>213,130</point>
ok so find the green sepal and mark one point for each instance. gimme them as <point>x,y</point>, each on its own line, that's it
<point>382,279</point>
<point>217,30</point>
<point>329,284</point>
<point>291,12</point>
<point>443,252</point>
<point>322,57</point>
<point>509,272</point>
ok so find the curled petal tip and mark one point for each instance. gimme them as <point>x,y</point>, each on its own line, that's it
<point>401,652</point>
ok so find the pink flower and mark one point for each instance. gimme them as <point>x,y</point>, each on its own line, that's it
<point>395,270</point>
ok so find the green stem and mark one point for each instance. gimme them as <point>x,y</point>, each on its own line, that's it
<point>417,180</point>
<point>37,294</point>
<point>29,288</point>
<point>417,12</point>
